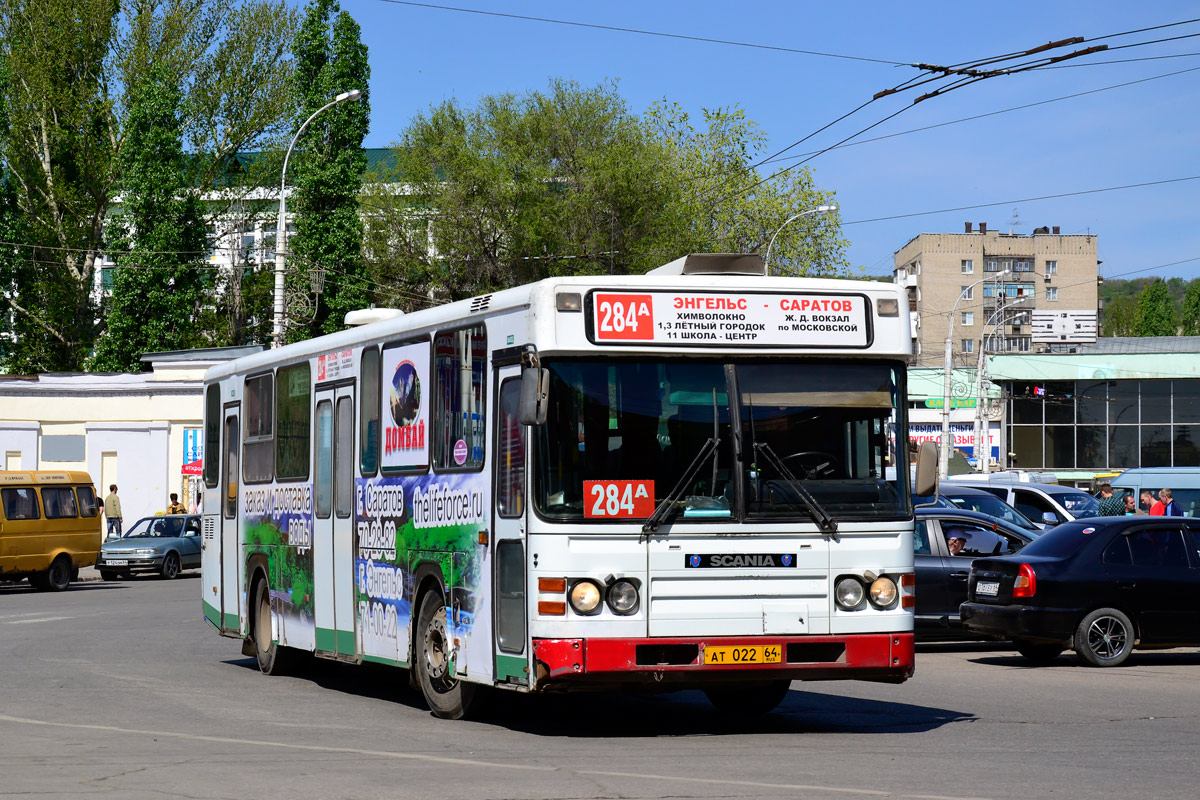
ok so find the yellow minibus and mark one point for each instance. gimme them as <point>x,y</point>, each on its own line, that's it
<point>49,527</point>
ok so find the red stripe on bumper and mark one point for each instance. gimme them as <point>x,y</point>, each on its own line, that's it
<point>891,654</point>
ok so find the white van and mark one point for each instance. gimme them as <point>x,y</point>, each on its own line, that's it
<point>1184,483</point>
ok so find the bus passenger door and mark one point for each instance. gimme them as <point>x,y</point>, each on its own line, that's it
<point>508,539</point>
<point>229,552</point>
<point>333,524</point>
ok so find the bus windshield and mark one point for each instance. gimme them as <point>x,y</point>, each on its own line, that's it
<point>621,435</point>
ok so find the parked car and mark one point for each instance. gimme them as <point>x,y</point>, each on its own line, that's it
<point>1045,502</point>
<point>942,573</point>
<point>1100,586</point>
<point>166,544</point>
<point>973,498</point>
<point>49,527</point>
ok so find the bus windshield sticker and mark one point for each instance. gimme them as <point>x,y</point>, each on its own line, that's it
<point>405,422</point>
<point>689,319</point>
<point>618,499</point>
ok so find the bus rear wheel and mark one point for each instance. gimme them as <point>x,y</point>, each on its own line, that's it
<point>56,578</point>
<point>749,699</point>
<point>273,659</point>
<point>448,697</point>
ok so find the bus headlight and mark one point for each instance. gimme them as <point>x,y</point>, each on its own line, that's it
<point>584,597</point>
<point>883,592</point>
<point>623,597</point>
<point>848,593</point>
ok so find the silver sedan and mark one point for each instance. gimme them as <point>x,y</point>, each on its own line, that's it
<point>166,545</point>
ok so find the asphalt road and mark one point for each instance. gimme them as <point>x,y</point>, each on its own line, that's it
<point>121,690</point>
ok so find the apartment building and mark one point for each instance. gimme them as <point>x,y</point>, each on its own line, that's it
<point>982,286</point>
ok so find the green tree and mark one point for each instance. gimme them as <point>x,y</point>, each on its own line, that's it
<point>1191,308</point>
<point>65,131</point>
<point>1119,314</point>
<point>570,181</point>
<point>329,165</point>
<point>1155,312</point>
<point>723,204</point>
<point>158,242</point>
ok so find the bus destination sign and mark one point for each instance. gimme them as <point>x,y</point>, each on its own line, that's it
<point>721,319</point>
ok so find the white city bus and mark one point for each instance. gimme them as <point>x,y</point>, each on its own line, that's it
<point>685,479</point>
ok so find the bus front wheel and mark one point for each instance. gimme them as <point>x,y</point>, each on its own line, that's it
<point>448,697</point>
<point>750,699</point>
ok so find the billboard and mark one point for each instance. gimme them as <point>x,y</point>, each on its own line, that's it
<point>1063,326</point>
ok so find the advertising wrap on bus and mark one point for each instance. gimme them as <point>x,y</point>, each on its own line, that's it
<point>402,522</point>
<point>744,318</point>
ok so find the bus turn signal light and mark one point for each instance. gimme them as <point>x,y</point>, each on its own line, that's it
<point>557,585</point>
<point>551,608</point>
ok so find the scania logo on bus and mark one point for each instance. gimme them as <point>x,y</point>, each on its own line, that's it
<point>736,560</point>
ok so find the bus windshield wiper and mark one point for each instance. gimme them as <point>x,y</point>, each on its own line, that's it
<point>668,503</point>
<point>824,521</point>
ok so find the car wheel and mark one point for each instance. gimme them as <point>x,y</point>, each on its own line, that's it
<point>447,697</point>
<point>1039,653</point>
<point>109,574</point>
<point>56,578</point>
<point>170,566</point>
<point>1104,638</point>
<point>273,659</point>
<point>749,700</point>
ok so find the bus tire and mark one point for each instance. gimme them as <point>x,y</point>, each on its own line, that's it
<point>750,699</point>
<point>273,659</point>
<point>56,578</point>
<point>447,697</point>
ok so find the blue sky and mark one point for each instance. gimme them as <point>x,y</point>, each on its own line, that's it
<point>1135,134</point>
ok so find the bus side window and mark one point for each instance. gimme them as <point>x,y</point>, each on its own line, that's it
<point>88,507</point>
<point>258,464</point>
<point>212,432</point>
<point>460,362</point>
<point>369,399</point>
<point>232,441</point>
<point>59,502</point>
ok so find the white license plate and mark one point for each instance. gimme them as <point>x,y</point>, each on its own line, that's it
<point>987,587</point>
<point>117,562</point>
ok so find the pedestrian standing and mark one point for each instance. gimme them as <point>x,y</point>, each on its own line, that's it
<point>1157,507</point>
<point>1147,500</point>
<point>175,507</point>
<point>1170,507</point>
<point>112,510</point>
<point>1131,509</point>
<point>1110,506</point>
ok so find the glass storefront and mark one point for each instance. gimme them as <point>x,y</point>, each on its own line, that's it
<point>1104,425</point>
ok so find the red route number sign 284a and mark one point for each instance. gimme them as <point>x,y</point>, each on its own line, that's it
<point>617,499</point>
<point>624,316</point>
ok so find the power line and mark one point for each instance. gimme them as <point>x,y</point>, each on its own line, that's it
<point>994,113</point>
<point>1023,200</point>
<point>642,32</point>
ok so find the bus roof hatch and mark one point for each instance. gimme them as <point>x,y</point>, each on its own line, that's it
<point>714,264</point>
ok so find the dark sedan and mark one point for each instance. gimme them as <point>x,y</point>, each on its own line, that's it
<point>1101,586</point>
<point>944,543</point>
<point>972,499</point>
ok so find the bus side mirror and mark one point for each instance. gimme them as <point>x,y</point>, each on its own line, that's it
<point>535,384</point>
<point>927,469</point>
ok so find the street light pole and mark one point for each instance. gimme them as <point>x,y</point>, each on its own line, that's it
<point>947,368</point>
<point>983,433</point>
<point>817,210</point>
<point>280,225</point>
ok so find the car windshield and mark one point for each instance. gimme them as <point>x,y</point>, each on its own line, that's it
<point>157,527</point>
<point>1080,504</point>
<point>992,506</point>
<point>621,434</point>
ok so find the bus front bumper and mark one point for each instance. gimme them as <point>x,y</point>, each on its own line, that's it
<point>690,662</point>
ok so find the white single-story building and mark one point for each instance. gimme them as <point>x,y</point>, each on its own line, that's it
<point>141,431</point>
